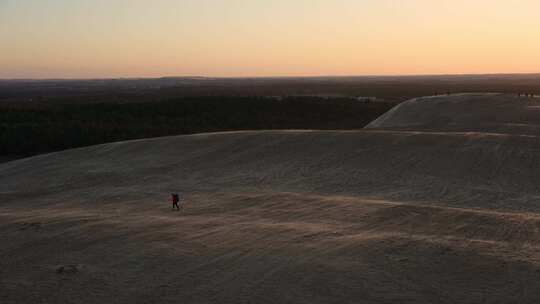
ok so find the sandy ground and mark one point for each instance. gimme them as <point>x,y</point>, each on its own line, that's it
<point>410,210</point>
<point>5,159</point>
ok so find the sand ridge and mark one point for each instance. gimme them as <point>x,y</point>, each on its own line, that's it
<point>490,113</point>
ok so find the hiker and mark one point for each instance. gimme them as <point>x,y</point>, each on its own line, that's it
<point>175,198</point>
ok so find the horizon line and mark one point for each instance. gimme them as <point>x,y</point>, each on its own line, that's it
<point>270,77</point>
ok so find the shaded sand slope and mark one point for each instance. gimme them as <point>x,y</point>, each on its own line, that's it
<point>455,169</point>
<point>412,215</point>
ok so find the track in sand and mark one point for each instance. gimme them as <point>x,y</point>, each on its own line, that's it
<point>438,201</point>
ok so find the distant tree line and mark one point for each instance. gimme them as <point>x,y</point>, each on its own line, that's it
<point>30,130</point>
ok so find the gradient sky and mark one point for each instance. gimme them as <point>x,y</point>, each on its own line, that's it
<point>136,38</point>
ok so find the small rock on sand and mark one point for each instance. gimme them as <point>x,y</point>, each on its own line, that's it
<point>68,269</point>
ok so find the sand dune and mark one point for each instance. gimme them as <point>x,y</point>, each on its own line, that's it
<point>490,113</point>
<point>435,202</point>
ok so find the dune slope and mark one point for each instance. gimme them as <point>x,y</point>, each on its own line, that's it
<point>409,210</point>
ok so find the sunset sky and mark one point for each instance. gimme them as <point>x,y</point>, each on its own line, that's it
<point>136,38</point>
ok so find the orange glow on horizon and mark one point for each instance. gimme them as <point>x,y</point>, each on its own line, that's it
<point>83,38</point>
